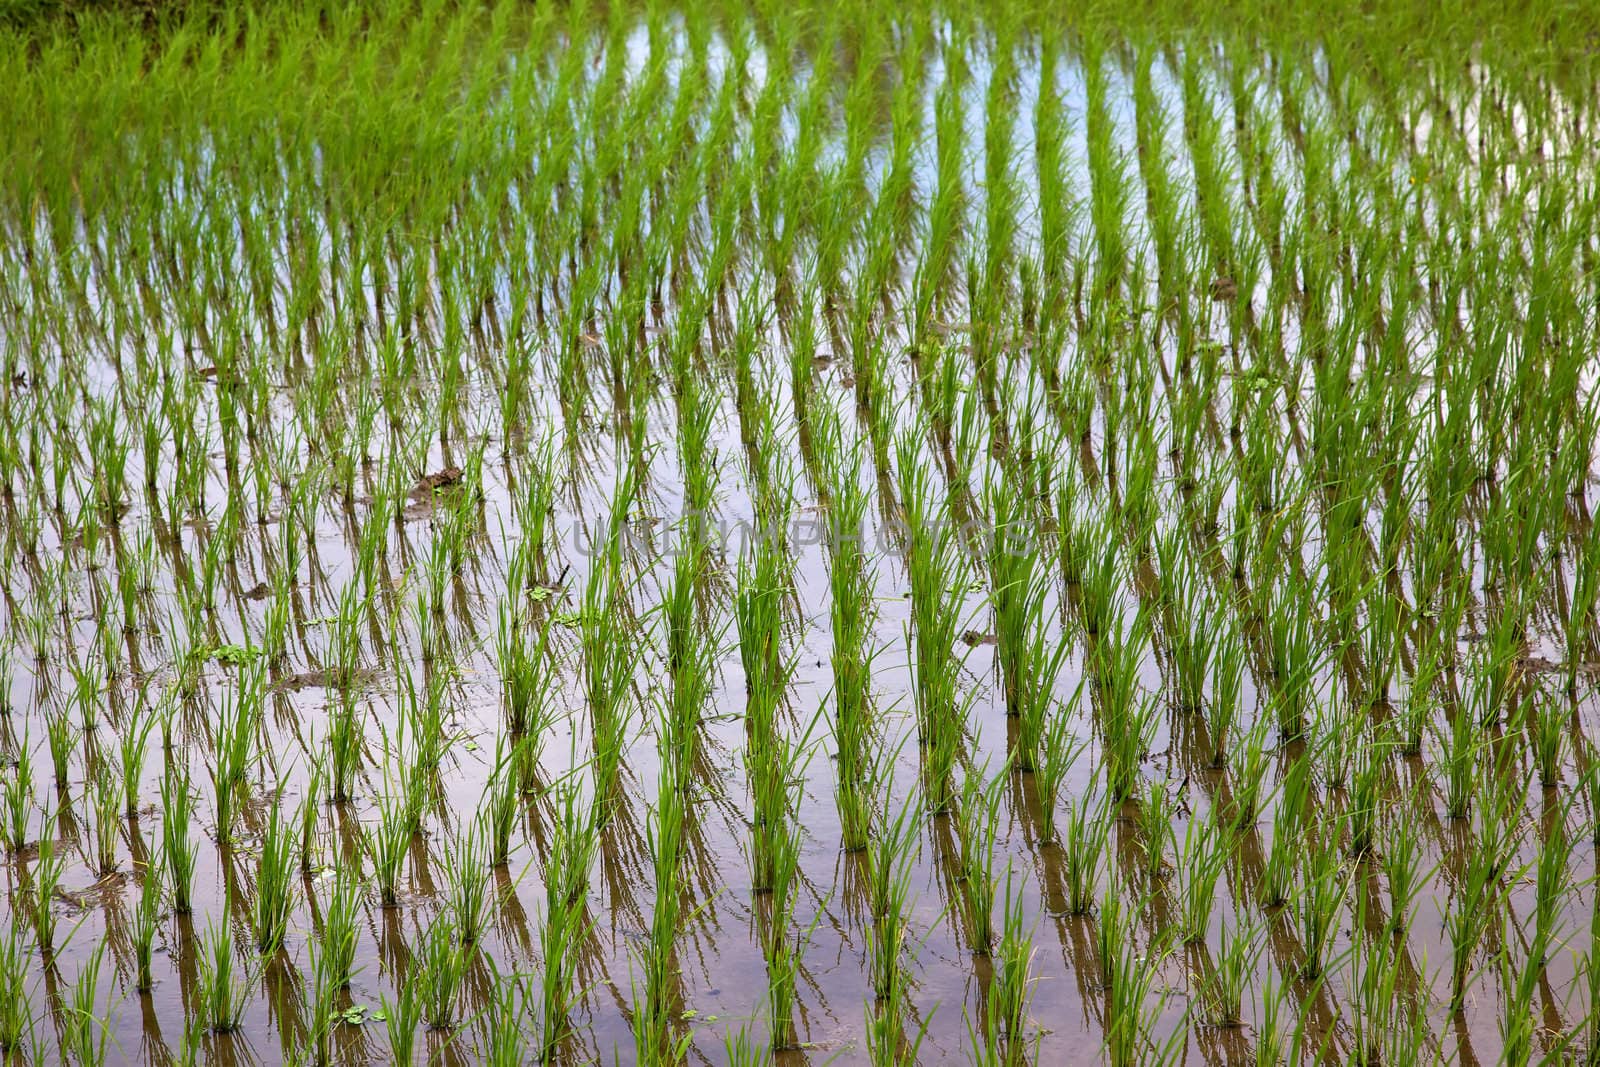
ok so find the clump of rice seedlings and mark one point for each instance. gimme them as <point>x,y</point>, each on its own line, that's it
<point>1317,904</point>
<point>1016,595</point>
<point>1518,1031</point>
<point>507,1009</point>
<point>323,995</point>
<point>1058,751</point>
<point>783,950</point>
<point>17,802</point>
<point>851,657</point>
<point>274,899</point>
<point>440,969</point>
<point>422,722</point>
<point>1269,1036</point>
<point>654,1017</point>
<point>608,669</point>
<point>146,917</point>
<point>467,872</point>
<point>1247,775</point>
<point>1192,639</point>
<point>938,575</point>
<point>1086,830</point>
<point>1222,986</point>
<point>888,1043</point>
<point>742,1050</point>
<point>1400,860</point>
<point>132,743</point>
<point>233,743</point>
<point>1155,819</point>
<point>1092,566</point>
<point>499,806</point>
<point>345,740</point>
<point>16,1014</point>
<point>1127,717</point>
<point>1377,1003</point>
<point>1206,848</point>
<point>177,847</point>
<point>1227,679</point>
<point>1468,920</point>
<point>86,1033</point>
<point>387,845</point>
<point>566,875</point>
<point>1291,638</point>
<point>220,997</point>
<point>758,615</point>
<point>47,872</point>
<point>1546,723</point>
<point>1420,704</point>
<point>108,813</point>
<point>63,738</point>
<point>402,1019</point>
<point>977,822</point>
<point>524,671</point>
<point>1553,882</point>
<point>774,765</point>
<point>1131,977</point>
<point>1366,796</point>
<point>1010,990</point>
<point>889,897</point>
<point>306,819</point>
<point>337,941</point>
<point>1462,743</point>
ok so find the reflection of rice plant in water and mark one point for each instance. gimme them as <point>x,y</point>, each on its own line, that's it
<point>531,532</point>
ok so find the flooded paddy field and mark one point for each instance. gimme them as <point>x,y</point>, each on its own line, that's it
<point>672,533</point>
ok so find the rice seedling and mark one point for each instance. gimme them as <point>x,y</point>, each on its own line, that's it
<point>388,844</point>
<point>147,914</point>
<point>402,1020</point>
<point>86,1034</point>
<point>47,871</point>
<point>337,943</point>
<point>1011,989</point>
<point>18,799</point>
<point>523,671</point>
<point>1130,980</point>
<point>1553,881</point>
<point>132,746</point>
<point>566,924</point>
<point>1317,903</point>
<point>177,847</point>
<point>1058,751</point>
<point>467,868</point>
<point>979,821</point>
<point>654,1015</point>
<point>16,1015</point>
<point>63,738</point>
<point>108,815</point>
<point>441,966</point>
<point>220,996</point>
<point>1400,860</point>
<point>1200,864</point>
<point>1155,819</point>
<point>274,900</point>
<point>1084,840</point>
<point>1468,920</point>
<point>889,897</point>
